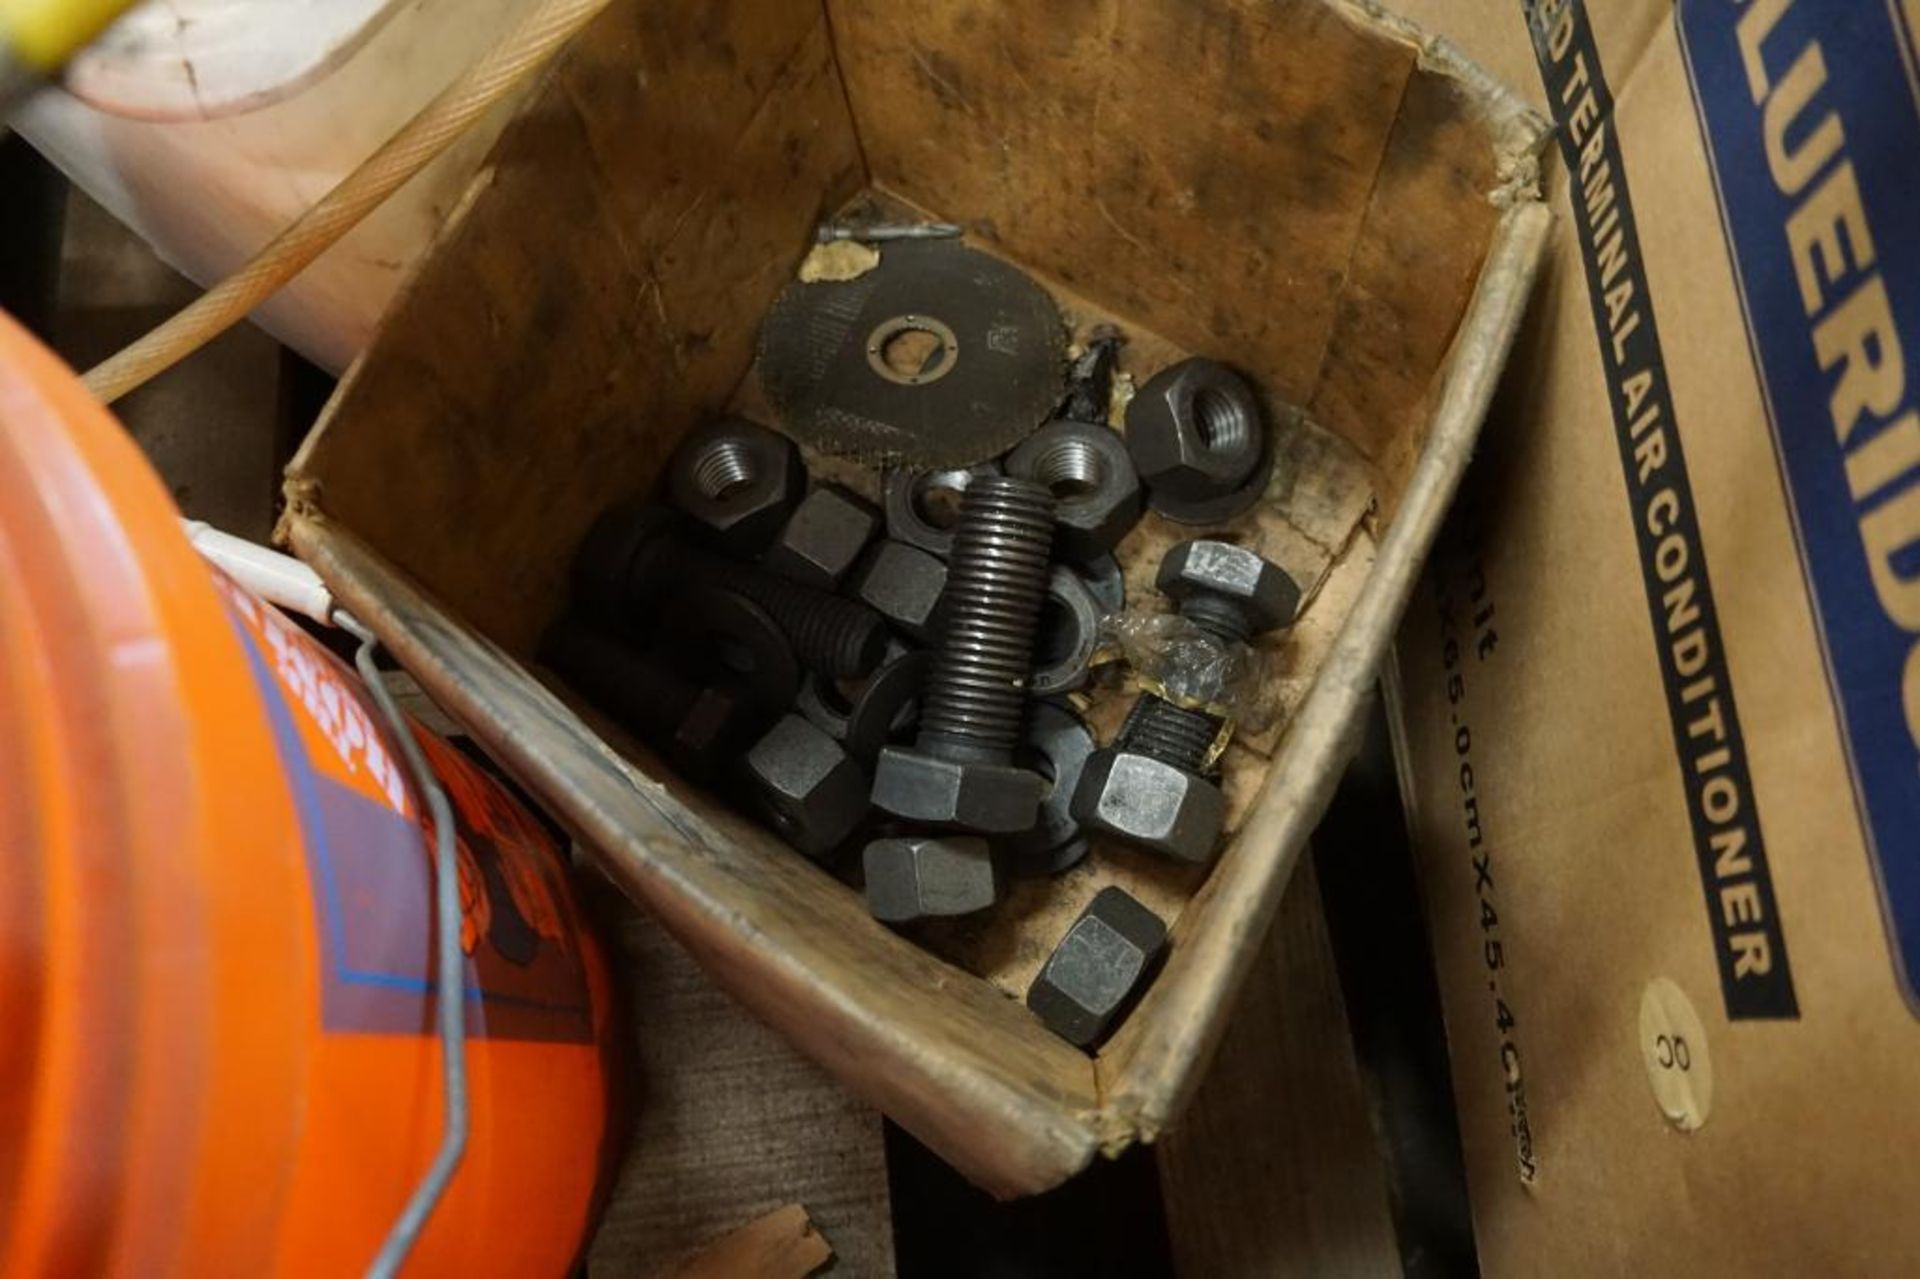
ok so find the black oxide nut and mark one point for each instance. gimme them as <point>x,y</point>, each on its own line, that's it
<point>1108,582</point>
<point>923,506</point>
<point>993,798</point>
<point>903,584</point>
<point>1095,488</point>
<point>1199,441</point>
<point>1069,634</point>
<point>1097,967</point>
<point>823,537</point>
<point>1263,591</point>
<point>1058,746</point>
<point>929,877</point>
<point>810,790</point>
<point>738,480</point>
<point>1151,804</point>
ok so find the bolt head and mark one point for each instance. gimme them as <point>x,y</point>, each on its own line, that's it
<point>1096,968</point>
<point>992,798</point>
<point>1264,590</point>
<point>1150,804</point>
<point>929,876</point>
<point>811,792</point>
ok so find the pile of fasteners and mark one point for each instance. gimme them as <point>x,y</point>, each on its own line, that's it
<point>884,683</point>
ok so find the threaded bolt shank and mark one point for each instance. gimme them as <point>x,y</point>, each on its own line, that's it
<point>1219,616</point>
<point>1171,734</point>
<point>975,700</point>
<point>834,637</point>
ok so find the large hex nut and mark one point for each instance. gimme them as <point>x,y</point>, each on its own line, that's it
<point>1067,637</point>
<point>738,480</point>
<point>1103,960</point>
<point>823,537</point>
<point>929,877</point>
<point>992,798</point>
<point>924,506</point>
<point>1151,804</point>
<point>1263,592</point>
<point>1199,442</point>
<point>1096,490</point>
<point>811,792</point>
<point>903,584</point>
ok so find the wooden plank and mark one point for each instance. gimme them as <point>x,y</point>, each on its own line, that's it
<point>1275,1170</point>
<point>729,1123</point>
<point>781,1245</point>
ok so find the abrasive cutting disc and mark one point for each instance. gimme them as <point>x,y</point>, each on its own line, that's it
<point>940,356</point>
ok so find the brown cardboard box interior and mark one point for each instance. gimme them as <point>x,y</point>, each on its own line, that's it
<point>1292,187</point>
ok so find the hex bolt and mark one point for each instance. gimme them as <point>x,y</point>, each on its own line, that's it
<point>1231,593</point>
<point>1151,786</point>
<point>1227,590</point>
<point>960,769</point>
<point>834,637</point>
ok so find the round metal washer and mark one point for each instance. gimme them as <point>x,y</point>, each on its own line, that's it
<point>714,629</point>
<point>1069,633</point>
<point>887,705</point>
<point>1058,746</point>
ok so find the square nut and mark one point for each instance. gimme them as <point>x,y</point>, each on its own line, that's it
<point>823,537</point>
<point>1097,967</point>
<point>903,584</point>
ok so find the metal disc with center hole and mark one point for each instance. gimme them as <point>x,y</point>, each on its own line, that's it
<point>941,356</point>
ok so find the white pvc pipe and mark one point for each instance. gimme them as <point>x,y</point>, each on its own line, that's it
<point>279,579</point>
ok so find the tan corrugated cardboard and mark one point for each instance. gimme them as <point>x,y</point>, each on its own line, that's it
<point>1672,977</point>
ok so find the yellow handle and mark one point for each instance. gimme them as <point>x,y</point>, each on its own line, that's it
<point>43,34</point>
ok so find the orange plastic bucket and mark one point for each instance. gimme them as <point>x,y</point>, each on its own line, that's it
<point>220,1054</point>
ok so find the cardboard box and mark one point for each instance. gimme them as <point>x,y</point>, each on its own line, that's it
<point>1660,700</point>
<point>1308,189</point>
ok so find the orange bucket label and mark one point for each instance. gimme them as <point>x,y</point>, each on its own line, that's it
<point>365,838</point>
